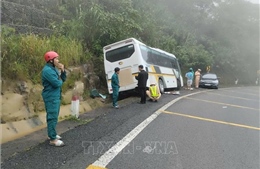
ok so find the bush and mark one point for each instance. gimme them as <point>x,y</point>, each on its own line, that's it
<point>22,55</point>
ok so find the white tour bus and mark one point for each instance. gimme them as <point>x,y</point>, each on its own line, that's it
<point>163,68</point>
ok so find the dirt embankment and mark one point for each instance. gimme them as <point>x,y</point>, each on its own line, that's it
<point>23,109</point>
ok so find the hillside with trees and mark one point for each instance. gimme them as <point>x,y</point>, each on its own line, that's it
<point>201,33</point>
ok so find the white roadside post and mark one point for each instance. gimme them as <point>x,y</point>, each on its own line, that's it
<point>75,106</point>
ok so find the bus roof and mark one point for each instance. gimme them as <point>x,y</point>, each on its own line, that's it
<point>122,42</point>
<point>125,41</point>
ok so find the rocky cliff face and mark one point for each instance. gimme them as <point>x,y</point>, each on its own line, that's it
<point>23,109</point>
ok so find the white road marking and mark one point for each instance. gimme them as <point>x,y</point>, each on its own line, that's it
<point>108,156</point>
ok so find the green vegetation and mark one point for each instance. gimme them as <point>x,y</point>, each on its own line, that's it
<point>78,120</point>
<point>69,83</point>
<point>22,55</point>
<point>201,33</point>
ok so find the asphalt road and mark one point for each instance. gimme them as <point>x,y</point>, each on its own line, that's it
<point>197,129</point>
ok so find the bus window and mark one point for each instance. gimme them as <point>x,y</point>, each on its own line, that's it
<point>151,58</point>
<point>144,53</point>
<point>157,60</point>
<point>166,61</point>
<point>120,53</point>
<point>174,64</point>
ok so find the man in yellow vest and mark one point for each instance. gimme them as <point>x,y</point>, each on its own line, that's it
<point>153,93</point>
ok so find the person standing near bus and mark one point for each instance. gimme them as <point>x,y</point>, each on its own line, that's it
<point>193,73</point>
<point>189,76</point>
<point>115,87</point>
<point>142,80</point>
<point>52,80</point>
<point>197,78</point>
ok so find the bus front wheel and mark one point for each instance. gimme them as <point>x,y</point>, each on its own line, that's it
<point>161,86</point>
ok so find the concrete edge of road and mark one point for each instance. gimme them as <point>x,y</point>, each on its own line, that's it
<point>13,130</point>
<point>108,156</point>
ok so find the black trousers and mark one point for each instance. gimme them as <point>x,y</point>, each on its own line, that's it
<point>142,92</point>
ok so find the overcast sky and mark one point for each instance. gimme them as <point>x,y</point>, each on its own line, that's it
<point>255,1</point>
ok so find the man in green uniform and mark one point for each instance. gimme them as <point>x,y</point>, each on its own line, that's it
<point>115,87</point>
<point>52,81</point>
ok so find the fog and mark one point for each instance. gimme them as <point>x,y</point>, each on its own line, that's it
<point>254,1</point>
<point>231,24</point>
